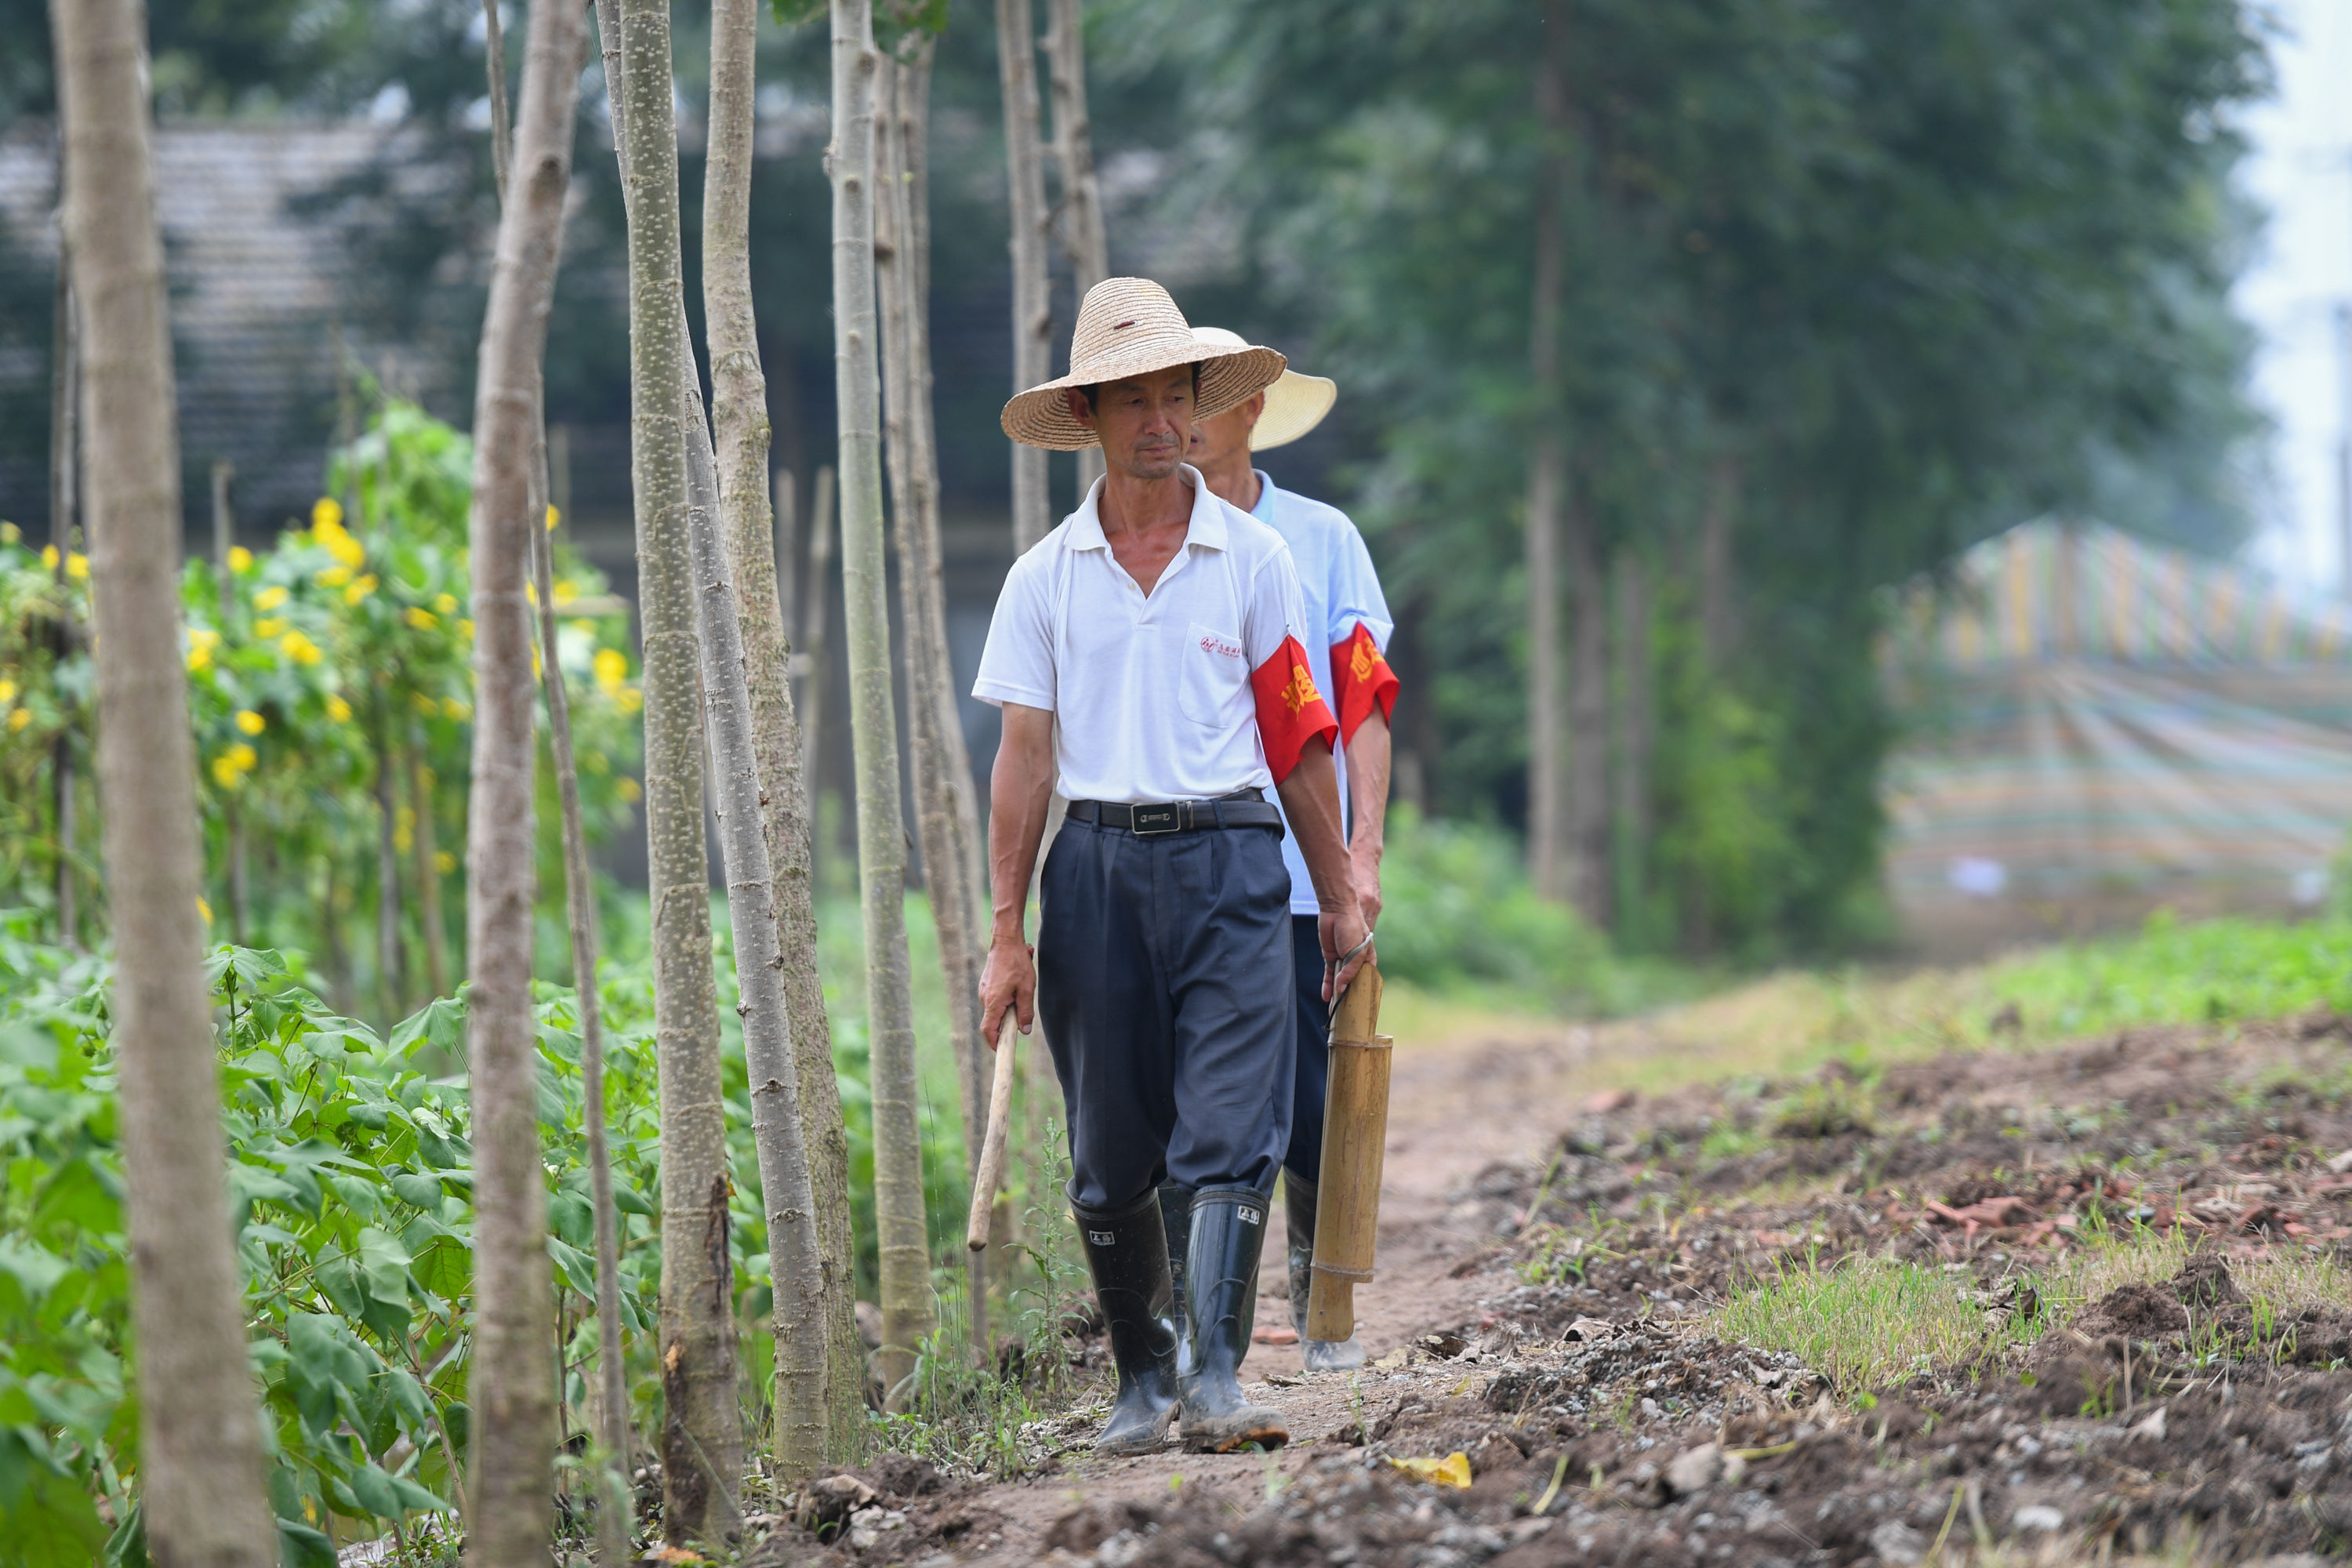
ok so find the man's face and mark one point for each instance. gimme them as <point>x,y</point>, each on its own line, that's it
<point>1221,438</point>
<point>1144,422</point>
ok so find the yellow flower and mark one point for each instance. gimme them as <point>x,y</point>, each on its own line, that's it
<point>326,514</point>
<point>49,556</point>
<point>337,709</point>
<point>19,718</point>
<point>249,721</point>
<point>299,648</point>
<point>629,699</point>
<point>240,559</point>
<point>455,709</point>
<point>612,667</point>
<point>346,549</point>
<point>244,756</point>
<point>360,589</point>
<point>566,590</point>
<point>466,630</point>
<point>9,533</point>
<point>225,773</point>
<point>627,789</point>
<point>445,604</point>
<point>334,576</point>
<point>423,619</point>
<point>77,566</point>
<point>270,627</point>
<point>553,517</point>
<point>269,598</point>
<point>7,691</point>
<point>444,862</point>
<point>205,907</point>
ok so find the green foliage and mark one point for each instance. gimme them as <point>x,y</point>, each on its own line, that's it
<point>2212,970</point>
<point>1867,1323</point>
<point>1460,916</point>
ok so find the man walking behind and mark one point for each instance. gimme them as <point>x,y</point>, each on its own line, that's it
<point>1350,618</point>
<point>1148,655</point>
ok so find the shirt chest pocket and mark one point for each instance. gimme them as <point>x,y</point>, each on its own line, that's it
<point>1213,678</point>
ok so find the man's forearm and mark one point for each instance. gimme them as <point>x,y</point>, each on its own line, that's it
<point>1310,801</point>
<point>1020,794</point>
<point>1368,788</point>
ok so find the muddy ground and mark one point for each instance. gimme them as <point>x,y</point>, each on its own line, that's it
<point>1549,1261</point>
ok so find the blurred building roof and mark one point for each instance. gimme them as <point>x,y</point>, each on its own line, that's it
<point>255,281</point>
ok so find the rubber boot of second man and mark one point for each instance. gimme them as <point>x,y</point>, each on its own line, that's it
<point>1219,1285</point>
<point>1299,1218</point>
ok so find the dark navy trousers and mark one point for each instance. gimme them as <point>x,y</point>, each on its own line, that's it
<point>1164,983</point>
<point>1311,1081</point>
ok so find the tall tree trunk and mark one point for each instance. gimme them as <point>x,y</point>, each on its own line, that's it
<point>224,543</point>
<point>1032,315</point>
<point>1588,711</point>
<point>822,503</point>
<point>512,1382</point>
<point>1547,482</point>
<point>65,399</point>
<point>1074,153</point>
<point>200,1425</point>
<point>796,1268</point>
<point>426,843</point>
<point>1630,699</point>
<point>702,1432</point>
<point>881,837</point>
<point>740,399</point>
<point>946,835</point>
<point>387,856</point>
<point>1717,613</point>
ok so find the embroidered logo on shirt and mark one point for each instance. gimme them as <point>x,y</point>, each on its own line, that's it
<point>1224,647</point>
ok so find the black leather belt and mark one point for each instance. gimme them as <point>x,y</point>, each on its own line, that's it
<point>1243,808</point>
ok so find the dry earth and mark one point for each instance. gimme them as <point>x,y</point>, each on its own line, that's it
<point>1549,1258</point>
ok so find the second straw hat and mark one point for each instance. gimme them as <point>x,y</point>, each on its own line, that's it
<point>1295,403</point>
<point>1129,327</point>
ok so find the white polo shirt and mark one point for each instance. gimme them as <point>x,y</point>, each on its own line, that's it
<point>1340,592</point>
<point>1152,697</point>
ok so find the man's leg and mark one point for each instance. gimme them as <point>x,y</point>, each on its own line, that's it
<point>1302,1166</point>
<point>1221,930</point>
<point>1105,1011</point>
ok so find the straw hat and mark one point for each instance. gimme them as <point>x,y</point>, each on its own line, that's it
<point>1129,327</point>
<point>1295,403</point>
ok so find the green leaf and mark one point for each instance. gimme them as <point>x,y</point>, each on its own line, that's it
<point>418,1190</point>
<point>384,1263</point>
<point>300,1546</point>
<point>418,1498</point>
<point>27,1273</point>
<point>375,1492</point>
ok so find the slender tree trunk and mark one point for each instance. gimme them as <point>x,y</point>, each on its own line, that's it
<point>946,836</point>
<point>1717,611</point>
<point>426,843</point>
<point>1548,482</point>
<point>881,837</point>
<point>1074,153</point>
<point>1587,713</point>
<point>1630,695</point>
<point>738,391</point>
<point>1032,315</point>
<point>783,488</point>
<point>200,1447</point>
<point>820,601</point>
<point>387,858</point>
<point>512,1382</point>
<point>224,543</point>
<point>65,398</point>
<point>703,1434</point>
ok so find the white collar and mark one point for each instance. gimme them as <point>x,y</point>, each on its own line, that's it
<point>1207,527</point>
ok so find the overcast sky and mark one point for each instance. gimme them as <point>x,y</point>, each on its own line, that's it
<point>2301,171</point>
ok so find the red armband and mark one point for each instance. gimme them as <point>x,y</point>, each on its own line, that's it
<point>1290,711</point>
<point>1362,680</point>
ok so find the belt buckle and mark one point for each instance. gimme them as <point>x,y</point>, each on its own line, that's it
<point>1151,821</point>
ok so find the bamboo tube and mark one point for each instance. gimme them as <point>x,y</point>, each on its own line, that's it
<point>1355,1139</point>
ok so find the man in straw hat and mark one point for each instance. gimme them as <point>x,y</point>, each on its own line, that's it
<point>1150,658</point>
<point>1349,616</point>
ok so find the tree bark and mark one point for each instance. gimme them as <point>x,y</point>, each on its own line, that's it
<point>946,835</point>
<point>1587,713</point>
<point>1032,315</point>
<point>1074,153</point>
<point>740,399</point>
<point>512,1385</point>
<point>65,398</point>
<point>1635,728</point>
<point>387,857</point>
<point>796,1266</point>
<point>1717,613</point>
<point>821,505</point>
<point>201,1447</point>
<point>703,1435</point>
<point>1547,484</point>
<point>881,837</point>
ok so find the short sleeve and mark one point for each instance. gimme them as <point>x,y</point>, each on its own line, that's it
<point>1355,598</point>
<point>1018,664</point>
<point>1276,607</point>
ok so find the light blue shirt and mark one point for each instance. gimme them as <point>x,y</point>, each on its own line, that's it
<point>1341,591</point>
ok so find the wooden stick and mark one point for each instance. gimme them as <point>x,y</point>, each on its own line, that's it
<point>991,1149</point>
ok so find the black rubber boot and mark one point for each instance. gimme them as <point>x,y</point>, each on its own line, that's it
<point>1176,1213</point>
<point>1126,1251</point>
<point>1298,1216</point>
<point>1221,1279</point>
